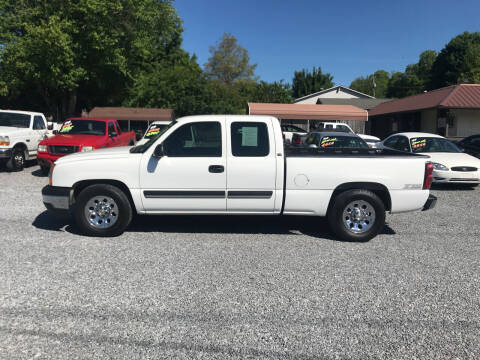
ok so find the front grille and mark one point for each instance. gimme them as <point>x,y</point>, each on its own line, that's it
<point>62,149</point>
<point>464,168</point>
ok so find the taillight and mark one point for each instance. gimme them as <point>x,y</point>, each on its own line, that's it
<point>427,180</point>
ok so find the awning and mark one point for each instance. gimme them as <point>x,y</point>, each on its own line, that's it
<point>122,113</point>
<point>309,111</point>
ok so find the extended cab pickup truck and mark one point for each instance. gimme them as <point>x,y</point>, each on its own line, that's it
<point>237,165</point>
<point>20,134</point>
<point>81,135</point>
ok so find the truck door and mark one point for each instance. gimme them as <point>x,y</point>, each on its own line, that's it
<point>191,175</point>
<point>113,137</point>
<point>252,166</point>
<point>39,130</point>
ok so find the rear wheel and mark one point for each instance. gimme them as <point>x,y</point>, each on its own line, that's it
<point>17,161</point>
<point>357,215</point>
<point>103,210</point>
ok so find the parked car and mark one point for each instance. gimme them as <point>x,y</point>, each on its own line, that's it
<point>290,130</point>
<point>20,134</point>
<point>81,135</point>
<point>335,140</point>
<point>341,127</point>
<point>153,130</point>
<point>470,145</point>
<point>451,165</point>
<point>227,164</point>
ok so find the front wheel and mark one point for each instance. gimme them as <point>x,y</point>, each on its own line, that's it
<point>17,161</point>
<point>103,210</point>
<point>357,215</point>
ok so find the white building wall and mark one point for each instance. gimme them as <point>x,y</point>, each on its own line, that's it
<point>467,122</point>
<point>333,94</point>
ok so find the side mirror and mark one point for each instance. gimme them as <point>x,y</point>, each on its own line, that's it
<point>55,132</point>
<point>49,126</point>
<point>313,146</point>
<point>113,134</point>
<point>159,151</point>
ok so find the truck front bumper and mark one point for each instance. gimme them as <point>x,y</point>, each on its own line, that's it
<point>46,159</point>
<point>57,199</point>
<point>431,202</point>
<point>5,153</point>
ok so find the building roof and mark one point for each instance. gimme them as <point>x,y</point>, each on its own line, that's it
<point>365,103</point>
<point>122,113</point>
<point>308,111</point>
<point>455,96</point>
<point>335,88</point>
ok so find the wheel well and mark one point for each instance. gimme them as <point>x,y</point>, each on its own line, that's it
<point>21,146</point>
<point>79,186</point>
<point>378,189</point>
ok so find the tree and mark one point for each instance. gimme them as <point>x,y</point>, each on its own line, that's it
<point>276,92</point>
<point>305,82</point>
<point>229,61</point>
<point>374,85</point>
<point>455,61</point>
<point>90,51</point>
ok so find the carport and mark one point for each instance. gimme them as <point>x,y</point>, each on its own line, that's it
<point>304,113</point>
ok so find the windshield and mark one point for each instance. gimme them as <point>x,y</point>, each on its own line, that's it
<point>153,130</point>
<point>330,127</point>
<point>430,144</point>
<point>84,127</point>
<point>14,120</point>
<point>151,140</point>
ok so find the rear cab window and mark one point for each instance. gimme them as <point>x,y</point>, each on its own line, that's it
<point>249,139</point>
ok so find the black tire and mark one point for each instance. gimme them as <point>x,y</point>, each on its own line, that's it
<point>17,161</point>
<point>44,169</point>
<point>340,206</point>
<point>123,210</point>
<point>131,142</point>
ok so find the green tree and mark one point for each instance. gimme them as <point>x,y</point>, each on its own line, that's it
<point>374,85</point>
<point>60,52</point>
<point>276,92</point>
<point>229,61</point>
<point>456,60</point>
<point>306,82</point>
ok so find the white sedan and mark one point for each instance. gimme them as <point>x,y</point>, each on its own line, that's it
<point>451,165</point>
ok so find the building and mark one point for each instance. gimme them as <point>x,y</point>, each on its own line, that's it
<point>336,92</point>
<point>302,115</point>
<point>136,119</point>
<point>452,111</point>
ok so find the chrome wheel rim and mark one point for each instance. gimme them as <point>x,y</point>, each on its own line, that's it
<point>19,160</point>
<point>358,216</point>
<point>101,212</point>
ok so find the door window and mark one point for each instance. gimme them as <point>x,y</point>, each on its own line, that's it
<point>250,139</point>
<point>38,123</point>
<point>111,128</point>
<point>199,139</point>
<point>391,142</point>
<point>402,144</point>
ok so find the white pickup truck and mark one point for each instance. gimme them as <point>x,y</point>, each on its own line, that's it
<point>20,133</point>
<point>224,164</point>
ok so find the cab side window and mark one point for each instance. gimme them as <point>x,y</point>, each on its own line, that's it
<point>199,139</point>
<point>119,130</point>
<point>391,142</point>
<point>250,139</point>
<point>111,129</point>
<point>38,123</point>
<point>402,144</point>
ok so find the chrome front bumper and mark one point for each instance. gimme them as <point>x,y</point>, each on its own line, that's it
<point>5,153</point>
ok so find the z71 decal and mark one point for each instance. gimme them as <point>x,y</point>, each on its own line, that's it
<point>418,143</point>
<point>328,141</point>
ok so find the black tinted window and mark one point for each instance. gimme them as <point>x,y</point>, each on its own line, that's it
<point>38,123</point>
<point>250,139</point>
<point>111,128</point>
<point>402,144</point>
<point>391,142</point>
<point>195,139</point>
<point>342,142</point>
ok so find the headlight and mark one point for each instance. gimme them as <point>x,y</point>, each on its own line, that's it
<point>441,167</point>
<point>4,140</point>
<point>87,148</point>
<point>42,148</point>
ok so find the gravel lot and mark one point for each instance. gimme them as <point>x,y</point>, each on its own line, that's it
<point>238,287</point>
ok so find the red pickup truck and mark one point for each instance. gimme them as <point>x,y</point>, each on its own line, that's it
<point>82,134</point>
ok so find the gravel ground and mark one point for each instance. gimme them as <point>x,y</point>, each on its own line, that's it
<point>238,287</point>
